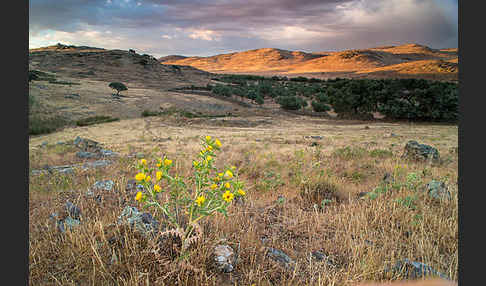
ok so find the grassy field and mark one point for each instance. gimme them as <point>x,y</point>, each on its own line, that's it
<point>302,195</point>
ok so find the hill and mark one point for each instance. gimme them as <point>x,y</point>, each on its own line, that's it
<point>375,62</point>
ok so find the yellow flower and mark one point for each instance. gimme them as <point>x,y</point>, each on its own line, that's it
<point>147,179</point>
<point>159,163</point>
<point>217,142</point>
<point>138,197</point>
<point>241,192</point>
<point>157,188</point>
<point>195,163</point>
<point>213,186</point>
<point>209,158</point>
<point>227,185</point>
<point>143,162</point>
<point>220,174</point>
<point>233,167</point>
<point>210,148</point>
<point>228,174</point>
<point>217,179</point>
<point>158,175</point>
<point>228,196</point>
<point>140,177</point>
<point>167,162</point>
<point>208,138</point>
<point>200,200</point>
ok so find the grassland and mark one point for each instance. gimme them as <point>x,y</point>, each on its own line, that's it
<point>287,174</point>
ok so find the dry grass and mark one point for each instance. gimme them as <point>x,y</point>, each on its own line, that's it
<point>361,236</point>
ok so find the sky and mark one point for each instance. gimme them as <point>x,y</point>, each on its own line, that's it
<point>210,27</point>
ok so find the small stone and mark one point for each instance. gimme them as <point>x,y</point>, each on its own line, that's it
<point>96,164</point>
<point>72,210</point>
<point>69,223</point>
<point>316,137</point>
<point>106,185</point>
<point>319,256</point>
<point>280,256</point>
<point>224,258</point>
<point>140,222</point>
<point>412,269</point>
<point>438,190</point>
<point>87,155</point>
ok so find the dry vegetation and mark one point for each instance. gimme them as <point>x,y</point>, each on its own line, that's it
<point>361,236</point>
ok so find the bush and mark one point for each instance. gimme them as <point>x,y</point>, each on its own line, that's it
<point>320,106</point>
<point>39,125</point>
<point>290,102</point>
<point>95,120</point>
<point>222,90</point>
<point>259,100</point>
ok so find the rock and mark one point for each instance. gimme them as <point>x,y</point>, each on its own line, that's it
<point>224,258</point>
<point>438,190</point>
<point>86,145</point>
<point>412,270</point>
<point>67,223</point>
<point>106,185</point>
<point>280,256</point>
<point>133,187</point>
<point>108,153</point>
<point>96,164</point>
<point>87,155</point>
<point>72,210</point>
<point>319,256</point>
<point>316,137</point>
<point>422,152</point>
<point>140,222</point>
<point>387,178</point>
<point>362,194</point>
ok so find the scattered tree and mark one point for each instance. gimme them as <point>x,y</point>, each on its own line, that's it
<point>118,86</point>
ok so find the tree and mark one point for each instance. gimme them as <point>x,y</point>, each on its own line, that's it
<point>118,86</point>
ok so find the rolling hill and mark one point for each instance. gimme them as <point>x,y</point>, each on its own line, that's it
<point>410,60</point>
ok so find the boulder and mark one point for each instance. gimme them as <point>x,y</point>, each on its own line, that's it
<point>415,151</point>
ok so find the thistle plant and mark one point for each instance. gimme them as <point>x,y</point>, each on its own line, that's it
<point>189,200</point>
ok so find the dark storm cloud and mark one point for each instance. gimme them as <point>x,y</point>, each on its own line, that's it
<point>211,26</point>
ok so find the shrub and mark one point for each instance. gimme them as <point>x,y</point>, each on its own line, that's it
<point>319,106</point>
<point>118,86</point>
<point>39,125</point>
<point>290,102</point>
<point>95,120</point>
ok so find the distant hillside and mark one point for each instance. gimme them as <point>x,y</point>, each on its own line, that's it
<point>171,58</point>
<point>113,65</point>
<point>389,61</point>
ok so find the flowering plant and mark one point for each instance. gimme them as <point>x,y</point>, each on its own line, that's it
<point>190,200</point>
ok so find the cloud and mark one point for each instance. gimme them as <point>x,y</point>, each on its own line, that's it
<point>211,26</point>
<point>206,35</point>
